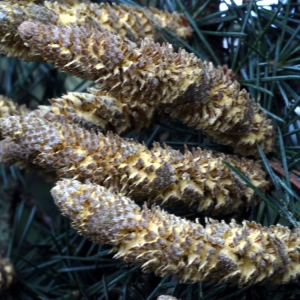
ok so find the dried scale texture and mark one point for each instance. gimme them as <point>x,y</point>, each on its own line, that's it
<point>143,79</point>
<point>127,21</point>
<point>144,72</point>
<point>261,133</point>
<point>130,22</point>
<point>11,153</point>
<point>160,175</point>
<point>12,14</point>
<point>6,273</point>
<point>9,108</point>
<point>102,111</point>
<point>165,244</point>
<point>96,110</point>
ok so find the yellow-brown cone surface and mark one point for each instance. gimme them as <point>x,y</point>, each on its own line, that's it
<point>11,153</point>
<point>11,16</point>
<point>127,21</point>
<point>100,110</point>
<point>9,108</point>
<point>153,76</point>
<point>165,244</point>
<point>261,133</point>
<point>162,175</point>
<point>130,22</point>
<point>6,273</point>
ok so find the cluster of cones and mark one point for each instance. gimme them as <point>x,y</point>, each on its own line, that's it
<point>103,175</point>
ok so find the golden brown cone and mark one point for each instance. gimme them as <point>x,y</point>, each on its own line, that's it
<point>6,273</point>
<point>160,175</point>
<point>97,110</point>
<point>11,16</point>
<point>261,133</point>
<point>104,112</point>
<point>151,77</point>
<point>127,21</point>
<point>11,153</point>
<point>9,108</point>
<point>131,22</point>
<point>165,244</point>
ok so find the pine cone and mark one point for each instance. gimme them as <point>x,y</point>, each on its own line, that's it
<point>96,110</point>
<point>165,244</point>
<point>160,175</point>
<point>12,14</point>
<point>143,79</point>
<point>127,21</point>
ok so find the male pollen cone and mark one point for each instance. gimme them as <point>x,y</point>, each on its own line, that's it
<point>160,175</point>
<point>152,77</point>
<point>165,244</point>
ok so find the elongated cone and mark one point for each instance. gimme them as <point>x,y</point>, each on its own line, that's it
<point>127,21</point>
<point>6,273</point>
<point>143,79</point>
<point>162,175</point>
<point>165,244</point>
<point>102,111</point>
